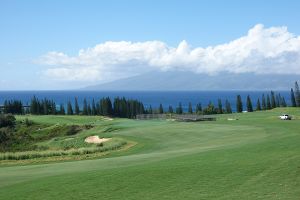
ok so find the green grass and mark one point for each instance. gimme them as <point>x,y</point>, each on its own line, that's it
<point>44,139</point>
<point>254,157</point>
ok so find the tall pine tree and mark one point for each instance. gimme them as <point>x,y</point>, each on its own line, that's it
<point>293,100</point>
<point>283,102</point>
<point>190,109</point>
<point>150,111</point>
<point>273,100</point>
<point>228,107</point>
<point>77,111</point>
<point>258,107</point>
<point>94,111</point>
<point>249,104</point>
<point>199,108</point>
<point>171,109</point>
<point>85,107</point>
<point>89,109</point>
<point>62,109</point>
<point>297,94</point>
<point>179,109</point>
<point>239,104</point>
<point>263,103</point>
<point>220,107</point>
<point>69,108</point>
<point>269,106</point>
<point>161,109</point>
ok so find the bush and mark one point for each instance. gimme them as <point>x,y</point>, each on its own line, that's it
<point>72,130</point>
<point>88,126</point>
<point>28,122</point>
<point>7,120</point>
<point>4,135</point>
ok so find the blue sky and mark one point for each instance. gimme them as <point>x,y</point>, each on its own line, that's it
<point>31,29</point>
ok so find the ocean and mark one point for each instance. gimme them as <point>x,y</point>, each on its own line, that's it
<point>153,98</point>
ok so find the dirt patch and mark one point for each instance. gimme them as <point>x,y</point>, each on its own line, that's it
<point>96,140</point>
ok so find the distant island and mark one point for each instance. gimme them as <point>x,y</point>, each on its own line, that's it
<point>174,81</point>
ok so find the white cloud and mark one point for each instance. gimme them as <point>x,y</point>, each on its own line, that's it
<point>263,50</point>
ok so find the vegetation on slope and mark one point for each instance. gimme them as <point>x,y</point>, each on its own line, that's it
<point>28,139</point>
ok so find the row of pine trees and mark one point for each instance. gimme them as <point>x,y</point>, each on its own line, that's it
<point>127,108</point>
<point>120,107</point>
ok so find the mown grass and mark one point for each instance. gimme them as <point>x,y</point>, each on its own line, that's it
<point>254,157</point>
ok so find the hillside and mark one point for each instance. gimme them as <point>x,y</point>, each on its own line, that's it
<point>190,81</point>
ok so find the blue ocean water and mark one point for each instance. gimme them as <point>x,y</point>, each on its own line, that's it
<point>153,98</point>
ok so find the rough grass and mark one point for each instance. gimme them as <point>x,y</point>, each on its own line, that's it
<point>50,153</point>
<point>41,139</point>
<point>254,157</point>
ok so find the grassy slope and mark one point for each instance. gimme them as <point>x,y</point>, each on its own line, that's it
<point>255,157</point>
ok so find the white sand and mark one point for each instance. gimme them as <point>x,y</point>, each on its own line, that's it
<point>96,140</point>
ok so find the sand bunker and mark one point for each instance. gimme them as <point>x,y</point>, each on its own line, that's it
<point>96,140</point>
<point>107,119</point>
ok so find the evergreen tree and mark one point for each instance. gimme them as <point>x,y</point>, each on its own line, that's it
<point>239,104</point>
<point>293,100</point>
<point>150,111</point>
<point>69,108</point>
<point>171,109</point>
<point>283,103</point>
<point>199,108</point>
<point>278,100</point>
<point>141,108</point>
<point>228,107</point>
<point>13,107</point>
<point>190,110</point>
<point>34,106</point>
<point>45,107</point>
<point>220,107</point>
<point>273,101</point>
<point>269,106</point>
<point>210,109</point>
<point>85,107</point>
<point>77,111</point>
<point>258,107</point>
<point>263,103</point>
<point>179,109</point>
<point>117,107</point>
<point>53,108</point>
<point>161,109</point>
<point>62,109</point>
<point>94,111</point>
<point>109,107</point>
<point>89,109</point>
<point>297,94</point>
<point>249,104</point>
<point>123,107</point>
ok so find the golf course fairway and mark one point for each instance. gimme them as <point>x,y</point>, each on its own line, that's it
<point>254,157</point>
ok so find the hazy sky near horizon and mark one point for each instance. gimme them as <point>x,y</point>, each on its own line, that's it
<point>64,44</point>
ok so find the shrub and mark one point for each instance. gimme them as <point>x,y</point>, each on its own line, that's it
<point>4,135</point>
<point>28,122</point>
<point>88,126</point>
<point>100,145</point>
<point>72,130</point>
<point>7,120</point>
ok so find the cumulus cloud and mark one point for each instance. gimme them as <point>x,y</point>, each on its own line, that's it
<point>262,51</point>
